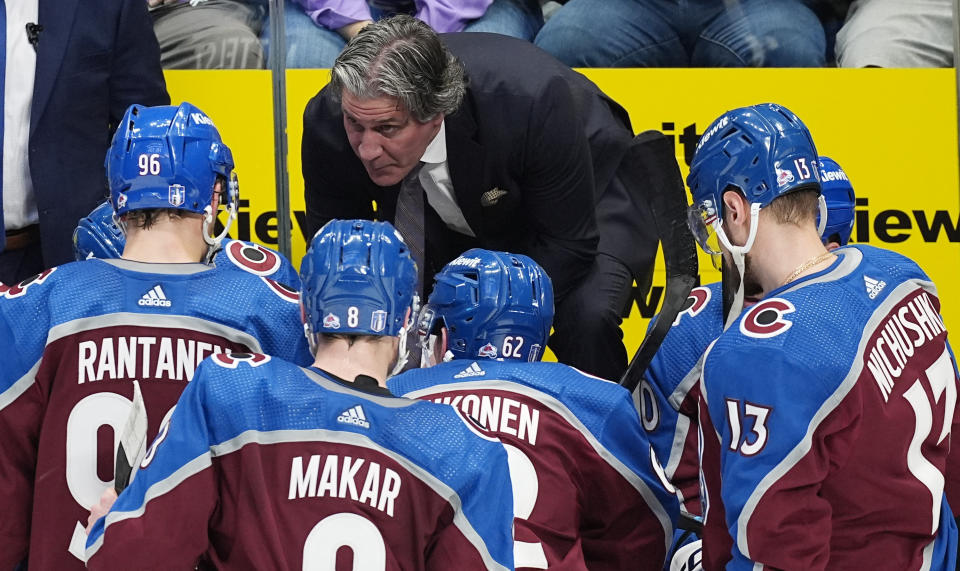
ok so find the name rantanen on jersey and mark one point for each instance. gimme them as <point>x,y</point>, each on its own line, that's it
<point>141,358</point>
<point>339,479</point>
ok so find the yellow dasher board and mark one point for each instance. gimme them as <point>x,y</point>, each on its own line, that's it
<point>893,131</point>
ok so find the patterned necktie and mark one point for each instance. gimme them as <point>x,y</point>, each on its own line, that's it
<point>409,220</point>
<point>3,72</point>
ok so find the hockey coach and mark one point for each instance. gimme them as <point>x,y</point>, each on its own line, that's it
<point>480,140</point>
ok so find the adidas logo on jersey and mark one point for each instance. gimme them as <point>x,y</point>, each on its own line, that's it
<point>354,416</point>
<point>874,287</point>
<point>473,370</point>
<point>155,298</point>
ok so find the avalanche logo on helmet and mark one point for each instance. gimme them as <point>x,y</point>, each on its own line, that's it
<point>784,177</point>
<point>331,321</point>
<point>488,351</point>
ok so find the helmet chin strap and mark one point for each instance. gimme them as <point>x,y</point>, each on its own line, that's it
<point>210,218</point>
<point>120,223</point>
<point>311,339</point>
<point>426,350</point>
<point>739,254</point>
<point>822,226</point>
<point>403,354</point>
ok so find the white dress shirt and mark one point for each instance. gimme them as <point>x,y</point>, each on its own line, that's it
<point>19,205</point>
<point>435,179</point>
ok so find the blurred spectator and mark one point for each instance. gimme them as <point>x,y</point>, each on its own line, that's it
<point>894,33</point>
<point>71,70</point>
<point>317,30</point>
<point>212,34</point>
<point>699,33</point>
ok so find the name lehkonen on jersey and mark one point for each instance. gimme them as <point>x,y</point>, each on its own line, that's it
<point>344,477</point>
<point>498,414</point>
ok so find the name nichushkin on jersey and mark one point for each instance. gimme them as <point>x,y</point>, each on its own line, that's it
<point>147,357</point>
<point>498,414</point>
<point>339,478</point>
<point>905,330</point>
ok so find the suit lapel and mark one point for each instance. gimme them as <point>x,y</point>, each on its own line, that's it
<point>465,158</point>
<point>56,17</point>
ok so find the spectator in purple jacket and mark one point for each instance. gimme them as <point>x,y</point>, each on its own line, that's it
<point>232,34</point>
<point>317,30</point>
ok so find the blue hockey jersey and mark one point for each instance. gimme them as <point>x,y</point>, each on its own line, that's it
<point>827,416</point>
<point>76,337</point>
<point>668,395</point>
<point>585,492</point>
<point>265,465</point>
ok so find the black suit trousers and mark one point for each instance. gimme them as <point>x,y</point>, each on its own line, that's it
<point>586,325</point>
<point>17,265</point>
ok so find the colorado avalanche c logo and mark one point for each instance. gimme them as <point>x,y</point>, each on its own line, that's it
<point>252,258</point>
<point>766,318</point>
<point>285,292</point>
<point>21,288</point>
<point>696,301</point>
<point>231,360</point>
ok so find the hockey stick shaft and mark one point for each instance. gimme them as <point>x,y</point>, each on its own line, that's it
<point>132,441</point>
<point>654,168</point>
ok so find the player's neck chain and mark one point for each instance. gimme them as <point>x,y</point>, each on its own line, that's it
<point>806,266</point>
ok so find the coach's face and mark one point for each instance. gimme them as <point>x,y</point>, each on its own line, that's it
<point>385,136</point>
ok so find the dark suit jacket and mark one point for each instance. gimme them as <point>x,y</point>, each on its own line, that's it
<point>528,125</point>
<point>94,59</point>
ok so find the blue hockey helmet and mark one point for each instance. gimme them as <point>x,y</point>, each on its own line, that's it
<point>494,305</point>
<point>97,235</point>
<point>763,150</point>
<point>358,278</point>
<point>840,198</point>
<point>170,157</point>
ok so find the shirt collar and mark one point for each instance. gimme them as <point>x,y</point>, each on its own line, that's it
<point>436,151</point>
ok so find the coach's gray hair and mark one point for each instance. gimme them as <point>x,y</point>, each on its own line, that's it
<point>401,57</point>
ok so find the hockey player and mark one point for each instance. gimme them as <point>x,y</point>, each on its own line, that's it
<point>584,491</point>
<point>325,457</point>
<point>98,236</point>
<point>77,336</point>
<point>840,201</point>
<point>827,407</point>
<point>667,397</point>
